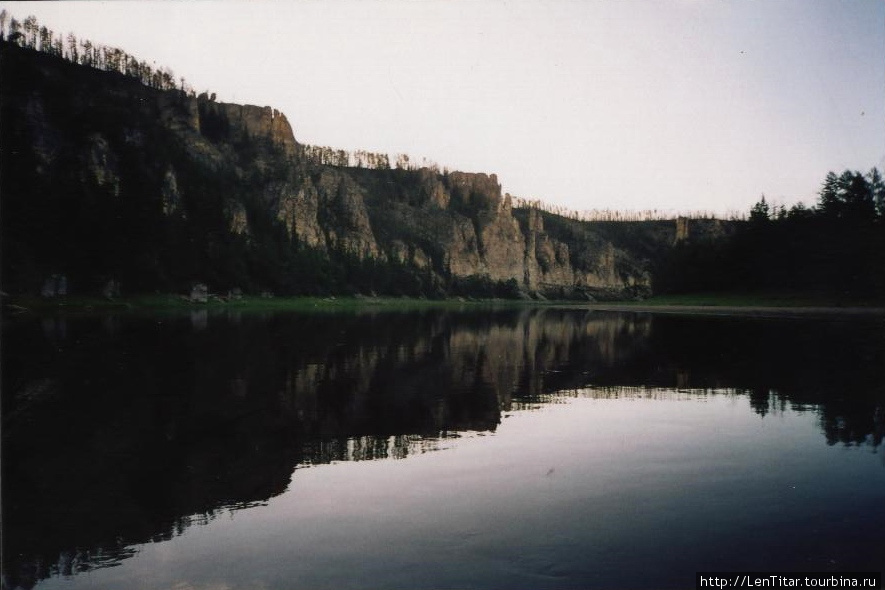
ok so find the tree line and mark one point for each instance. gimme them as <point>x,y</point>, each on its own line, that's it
<point>322,155</point>
<point>617,214</point>
<point>30,34</point>
<point>850,194</point>
<point>850,197</point>
<point>835,248</point>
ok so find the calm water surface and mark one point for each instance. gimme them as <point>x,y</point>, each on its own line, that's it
<point>539,448</point>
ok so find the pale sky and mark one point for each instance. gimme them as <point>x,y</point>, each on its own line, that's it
<point>626,104</point>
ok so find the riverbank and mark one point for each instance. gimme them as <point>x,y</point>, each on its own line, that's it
<point>743,305</point>
<point>756,311</point>
<point>160,303</point>
<point>751,305</point>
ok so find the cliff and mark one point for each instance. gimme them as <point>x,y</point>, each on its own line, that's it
<point>106,181</point>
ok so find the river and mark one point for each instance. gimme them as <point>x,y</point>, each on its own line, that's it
<point>481,448</point>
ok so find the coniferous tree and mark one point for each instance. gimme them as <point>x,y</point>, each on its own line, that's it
<point>30,30</point>
<point>760,213</point>
<point>877,188</point>
<point>15,35</point>
<point>849,196</point>
<point>73,49</point>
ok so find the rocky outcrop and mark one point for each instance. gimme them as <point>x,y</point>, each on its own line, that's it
<point>237,222</point>
<point>347,228</point>
<point>199,293</point>
<point>503,244</point>
<point>101,164</point>
<point>171,198</point>
<point>297,208</point>
<point>681,230</point>
<point>206,175</point>
<point>250,122</point>
<point>461,249</point>
<point>46,139</point>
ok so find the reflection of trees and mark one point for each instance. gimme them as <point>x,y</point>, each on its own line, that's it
<point>162,418</point>
<point>832,366</point>
<point>168,422</point>
<point>762,400</point>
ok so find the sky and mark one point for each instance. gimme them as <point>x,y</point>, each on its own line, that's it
<point>625,104</point>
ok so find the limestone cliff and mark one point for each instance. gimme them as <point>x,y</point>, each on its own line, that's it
<point>158,189</point>
<point>248,121</point>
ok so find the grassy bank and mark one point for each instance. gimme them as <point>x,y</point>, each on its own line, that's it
<point>159,303</point>
<point>757,300</point>
<point>171,303</point>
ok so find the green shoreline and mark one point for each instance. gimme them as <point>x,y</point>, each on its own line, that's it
<point>159,303</point>
<point>697,303</point>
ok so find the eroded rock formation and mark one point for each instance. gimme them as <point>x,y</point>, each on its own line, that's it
<point>200,182</point>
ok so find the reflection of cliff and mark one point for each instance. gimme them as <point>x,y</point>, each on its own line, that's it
<point>161,419</point>
<point>118,430</point>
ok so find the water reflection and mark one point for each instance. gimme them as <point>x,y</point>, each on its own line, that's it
<point>118,430</point>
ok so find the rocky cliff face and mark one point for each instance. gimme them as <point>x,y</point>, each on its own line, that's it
<point>247,121</point>
<point>207,183</point>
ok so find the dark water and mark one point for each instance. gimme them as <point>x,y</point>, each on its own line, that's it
<point>483,449</point>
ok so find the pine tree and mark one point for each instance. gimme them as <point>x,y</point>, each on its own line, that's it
<point>760,213</point>
<point>877,188</point>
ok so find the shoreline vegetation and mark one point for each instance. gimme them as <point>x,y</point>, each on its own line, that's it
<point>713,303</point>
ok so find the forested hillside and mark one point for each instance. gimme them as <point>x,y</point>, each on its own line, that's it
<point>835,249</point>
<point>117,178</point>
<point>109,182</point>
